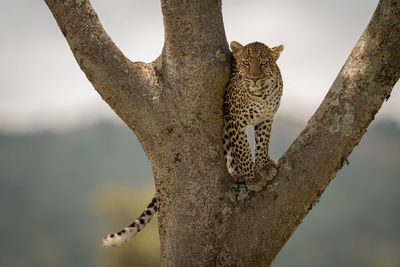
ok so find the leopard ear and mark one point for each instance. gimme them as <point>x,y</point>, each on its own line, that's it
<point>236,48</point>
<point>276,51</point>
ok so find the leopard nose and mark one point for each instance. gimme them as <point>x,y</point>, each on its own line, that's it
<point>254,79</point>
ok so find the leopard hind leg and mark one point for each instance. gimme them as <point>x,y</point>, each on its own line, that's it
<point>230,157</point>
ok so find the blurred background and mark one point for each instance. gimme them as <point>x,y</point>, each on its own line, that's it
<point>70,171</point>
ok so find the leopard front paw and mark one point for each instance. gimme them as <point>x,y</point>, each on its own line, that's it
<point>237,177</point>
<point>262,176</point>
<point>255,184</point>
<point>267,171</point>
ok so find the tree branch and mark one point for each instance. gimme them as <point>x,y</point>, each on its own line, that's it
<point>314,158</point>
<point>124,85</point>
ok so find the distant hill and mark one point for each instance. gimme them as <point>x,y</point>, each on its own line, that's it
<point>48,183</point>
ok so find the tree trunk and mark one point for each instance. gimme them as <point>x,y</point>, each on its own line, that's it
<point>174,106</point>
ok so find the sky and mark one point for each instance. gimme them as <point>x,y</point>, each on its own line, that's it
<point>42,87</point>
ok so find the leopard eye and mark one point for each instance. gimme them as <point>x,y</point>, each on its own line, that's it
<point>246,62</point>
<point>263,63</point>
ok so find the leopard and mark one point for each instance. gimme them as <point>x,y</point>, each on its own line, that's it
<point>251,98</point>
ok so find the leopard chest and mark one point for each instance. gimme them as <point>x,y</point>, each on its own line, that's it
<point>258,110</point>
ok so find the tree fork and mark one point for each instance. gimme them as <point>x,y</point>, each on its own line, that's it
<point>174,106</point>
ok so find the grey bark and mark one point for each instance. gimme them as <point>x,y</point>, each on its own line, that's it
<point>174,106</point>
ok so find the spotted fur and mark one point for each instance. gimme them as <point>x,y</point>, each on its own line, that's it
<point>251,99</point>
<point>126,234</point>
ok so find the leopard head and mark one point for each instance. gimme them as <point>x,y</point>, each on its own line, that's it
<point>256,65</point>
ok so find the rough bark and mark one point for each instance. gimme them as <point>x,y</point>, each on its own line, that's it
<point>174,105</point>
